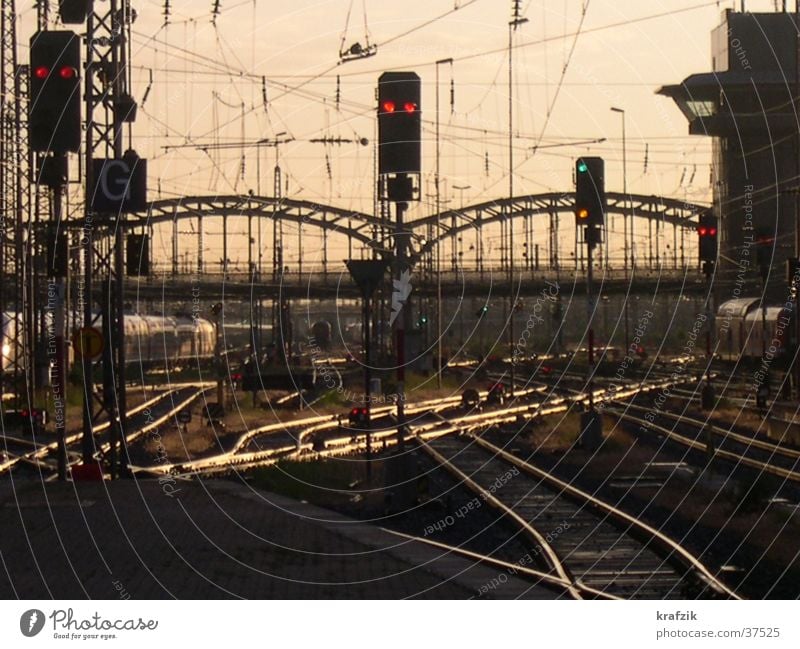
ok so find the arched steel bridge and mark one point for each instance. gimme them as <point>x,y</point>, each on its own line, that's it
<point>474,237</point>
<point>428,232</point>
<point>359,226</point>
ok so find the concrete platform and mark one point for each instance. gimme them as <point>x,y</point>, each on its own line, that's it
<point>215,539</point>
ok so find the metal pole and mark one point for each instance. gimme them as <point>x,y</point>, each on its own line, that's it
<point>59,368</point>
<point>590,314</point>
<point>218,353</point>
<point>87,239</point>
<point>796,363</point>
<point>627,205</point>
<point>625,219</point>
<point>512,26</point>
<point>400,334</point>
<point>120,59</point>
<point>367,382</point>
<point>512,295</point>
<point>438,245</point>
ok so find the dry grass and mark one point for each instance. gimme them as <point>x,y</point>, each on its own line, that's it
<point>726,416</point>
<point>179,446</point>
<point>560,432</point>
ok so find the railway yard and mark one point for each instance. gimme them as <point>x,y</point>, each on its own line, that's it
<point>670,500</point>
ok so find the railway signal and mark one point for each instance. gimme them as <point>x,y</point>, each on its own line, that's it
<point>137,255</point>
<point>590,207</point>
<point>54,112</point>
<point>25,420</point>
<point>359,417</point>
<point>399,112</point>
<point>399,123</point>
<point>590,192</point>
<point>707,232</point>
<point>765,244</point>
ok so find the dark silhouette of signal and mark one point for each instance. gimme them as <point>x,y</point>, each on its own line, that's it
<point>399,123</point>
<point>590,192</point>
<point>707,233</point>
<point>54,111</point>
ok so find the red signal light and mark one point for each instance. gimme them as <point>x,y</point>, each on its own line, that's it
<point>67,72</point>
<point>410,107</point>
<point>702,231</point>
<point>42,72</point>
<point>712,232</point>
<point>388,106</point>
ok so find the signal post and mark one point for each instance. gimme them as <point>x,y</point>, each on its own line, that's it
<point>765,249</point>
<point>399,167</point>
<point>54,130</point>
<point>590,208</point>
<point>707,230</point>
<point>114,181</point>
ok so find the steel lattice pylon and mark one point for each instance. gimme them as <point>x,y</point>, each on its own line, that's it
<point>106,83</point>
<point>16,287</point>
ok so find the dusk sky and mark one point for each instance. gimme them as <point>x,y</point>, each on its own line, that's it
<point>572,62</point>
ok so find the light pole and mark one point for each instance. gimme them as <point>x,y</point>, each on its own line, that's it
<point>516,21</point>
<point>624,217</point>
<point>437,183</point>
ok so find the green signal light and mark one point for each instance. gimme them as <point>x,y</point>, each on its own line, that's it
<point>582,167</point>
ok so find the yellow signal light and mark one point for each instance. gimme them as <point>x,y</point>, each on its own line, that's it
<point>583,213</point>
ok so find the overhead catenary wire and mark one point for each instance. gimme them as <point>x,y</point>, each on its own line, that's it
<point>224,64</point>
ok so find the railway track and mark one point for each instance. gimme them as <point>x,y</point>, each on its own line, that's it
<point>598,550</point>
<point>780,411</point>
<point>739,449</point>
<point>587,548</point>
<point>141,419</point>
<point>325,436</point>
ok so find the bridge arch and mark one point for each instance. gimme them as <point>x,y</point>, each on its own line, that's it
<point>443,229</point>
<point>656,211</point>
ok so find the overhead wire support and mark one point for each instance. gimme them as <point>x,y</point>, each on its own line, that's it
<point>270,142</point>
<point>107,111</point>
<point>338,140</point>
<point>148,88</point>
<point>15,260</point>
<point>356,50</point>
